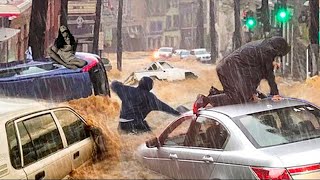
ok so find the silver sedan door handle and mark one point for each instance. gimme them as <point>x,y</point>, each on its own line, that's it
<point>173,156</point>
<point>207,159</point>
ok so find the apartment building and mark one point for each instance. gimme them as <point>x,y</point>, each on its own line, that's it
<point>133,24</point>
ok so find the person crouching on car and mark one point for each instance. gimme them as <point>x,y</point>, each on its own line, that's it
<point>137,103</point>
<point>64,49</point>
<point>241,71</point>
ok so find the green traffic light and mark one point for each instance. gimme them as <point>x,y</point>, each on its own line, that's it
<point>283,15</point>
<point>251,22</point>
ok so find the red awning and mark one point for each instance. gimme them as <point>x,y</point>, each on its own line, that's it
<point>8,10</point>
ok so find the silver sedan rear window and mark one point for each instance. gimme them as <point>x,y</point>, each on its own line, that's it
<point>281,126</point>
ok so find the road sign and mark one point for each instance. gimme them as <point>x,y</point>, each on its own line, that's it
<point>80,21</point>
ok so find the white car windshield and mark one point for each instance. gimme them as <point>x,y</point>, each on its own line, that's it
<point>165,50</point>
<point>185,53</point>
<point>281,126</point>
<point>165,65</point>
<point>199,52</point>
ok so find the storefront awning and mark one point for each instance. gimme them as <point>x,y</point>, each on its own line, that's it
<point>7,33</point>
<point>8,10</point>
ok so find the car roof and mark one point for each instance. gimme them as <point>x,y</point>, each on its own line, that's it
<point>11,108</point>
<point>200,49</point>
<point>182,50</point>
<point>252,107</point>
<point>44,61</point>
<point>166,48</point>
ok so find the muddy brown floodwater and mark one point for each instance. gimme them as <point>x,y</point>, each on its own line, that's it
<point>104,112</point>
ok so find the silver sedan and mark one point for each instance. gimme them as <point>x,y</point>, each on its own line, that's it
<point>264,140</point>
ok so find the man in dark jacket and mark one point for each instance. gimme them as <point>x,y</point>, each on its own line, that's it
<point>137,103</point>
<point>241,71</point>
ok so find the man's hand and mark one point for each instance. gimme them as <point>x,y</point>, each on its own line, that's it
<point>276,98</point>
<point>255,98</point>
<point>202,101</point>
<point>276,65</point>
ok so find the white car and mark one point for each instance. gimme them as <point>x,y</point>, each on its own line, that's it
<point>164,52</point>
<point>183,53</point>
<point>201,54</point>
<point>162,71</point>
<point>41,141</point>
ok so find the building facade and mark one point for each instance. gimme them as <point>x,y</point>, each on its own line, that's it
<point>133,24</point>
<point>81,19</point>
<point>17,27</point>
<point>156,23</point>
<point>150,24</point>
<point>172,33</point>
<point>188,10</point>
<point>15,18</point>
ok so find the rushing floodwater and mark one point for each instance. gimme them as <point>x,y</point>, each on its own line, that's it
<point>104,112</point>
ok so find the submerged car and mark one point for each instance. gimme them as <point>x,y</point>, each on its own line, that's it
<point>45,79</point>
<point>264,140</point>
<point>106,63</point>
<point>202,55</point>
<point>41,141</point>
<point>163,52</point>
<point>183,54</point>
<point>161,70</point>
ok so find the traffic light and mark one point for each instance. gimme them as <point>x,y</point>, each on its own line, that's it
<point>251,23</point>
<point>283,15</point>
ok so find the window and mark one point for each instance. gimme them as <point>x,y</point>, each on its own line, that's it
<point>73,127</point>
<point>159,28</point>
<point>6,73</point>
<point>165,65</point>
<point>168,22</point>
<point>156,26</point>
<point>39,138</point>
<point>207,133</point>
<point>175,3</point>
<point>281,126</point>
<point>13,146</point>
<point>177,136</point>
<point>153,67</point>
<point>176,21</point>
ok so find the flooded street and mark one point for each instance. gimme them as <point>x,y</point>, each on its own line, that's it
<point>57,52</point>
<point>104,112</point>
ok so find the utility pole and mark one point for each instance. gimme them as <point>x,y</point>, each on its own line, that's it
<point>314,36</point>
<point>119,36</point>
<point>64,13</point>
<point>213,32</point>
<point>192,29</point>
<point>38,28</point>
<point>200,25</point>
<point>96,28</point>
<point>237,30</point>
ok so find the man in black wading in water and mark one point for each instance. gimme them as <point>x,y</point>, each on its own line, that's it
<point>137,103</point>
<point>241,71</point>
